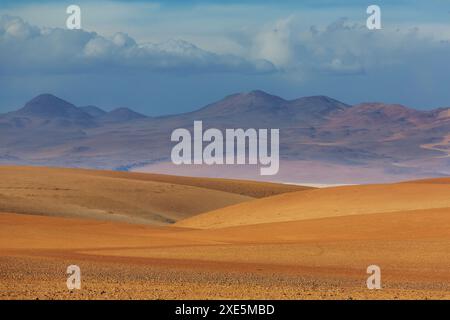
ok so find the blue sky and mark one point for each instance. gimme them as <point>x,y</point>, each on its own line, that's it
<point>176,56</point>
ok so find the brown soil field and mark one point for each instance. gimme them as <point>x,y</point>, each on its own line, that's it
<point>312,244</point>
<point>122,196</point>
<point>329,202</point>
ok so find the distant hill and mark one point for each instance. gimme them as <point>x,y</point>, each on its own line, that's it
<point>49,106</point>
<point>93,111</point>
<point>322,140</point>
<point>48,111</point>
<point>121,115</point>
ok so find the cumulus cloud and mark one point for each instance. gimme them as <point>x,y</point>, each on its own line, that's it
<point>343,47</point>
<point>275,44</point>
<point>25,48</point>
<point>340,48</point>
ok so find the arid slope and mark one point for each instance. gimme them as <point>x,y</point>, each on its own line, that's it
<point>122,196</point>
<point>314,244</point>
<point>329,202</point>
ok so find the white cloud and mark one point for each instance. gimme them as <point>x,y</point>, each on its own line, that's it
<point>344,48</point>
<point>25,48</point>
<point>274,44</point>
<point>14,27</point>
<point>312,59</point>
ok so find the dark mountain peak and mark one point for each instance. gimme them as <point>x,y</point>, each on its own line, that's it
<point>322,99</point>
<point>252,96</point>
<point>126,112</point>
<point>122,114</point>
<point>318,104</point>
<point>259,95</point>
<point>253,101</point>
<point>49,106</point>
<point>93,111</point>
<point>44,96</point>
<point>47,99</point>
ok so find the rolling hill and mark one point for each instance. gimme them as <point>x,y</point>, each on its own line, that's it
<point>328,203</point>
<point>311,244</point>
<point>121,196</point>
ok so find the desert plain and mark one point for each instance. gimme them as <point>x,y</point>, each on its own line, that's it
<point>149,236</point>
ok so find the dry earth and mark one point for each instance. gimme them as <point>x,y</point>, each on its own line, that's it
<point>121,196</point>
<point>311,244</point>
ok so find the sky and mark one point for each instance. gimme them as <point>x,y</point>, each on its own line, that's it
<point>176,56</point>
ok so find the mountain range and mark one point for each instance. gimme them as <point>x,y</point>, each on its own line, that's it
<point>322,140</point>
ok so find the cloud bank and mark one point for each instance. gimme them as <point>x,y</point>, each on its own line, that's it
<point>344,48</point>
<point>25,48</point>
<point>341,48</point>
<point>290,57</point>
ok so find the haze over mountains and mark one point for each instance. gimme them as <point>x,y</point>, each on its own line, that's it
<point>322,140</point>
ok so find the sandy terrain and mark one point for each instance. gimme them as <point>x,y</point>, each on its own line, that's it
<point>329,202</point>
<point>121,196</point>
<point>307,259</point>
<point>281,249</point>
